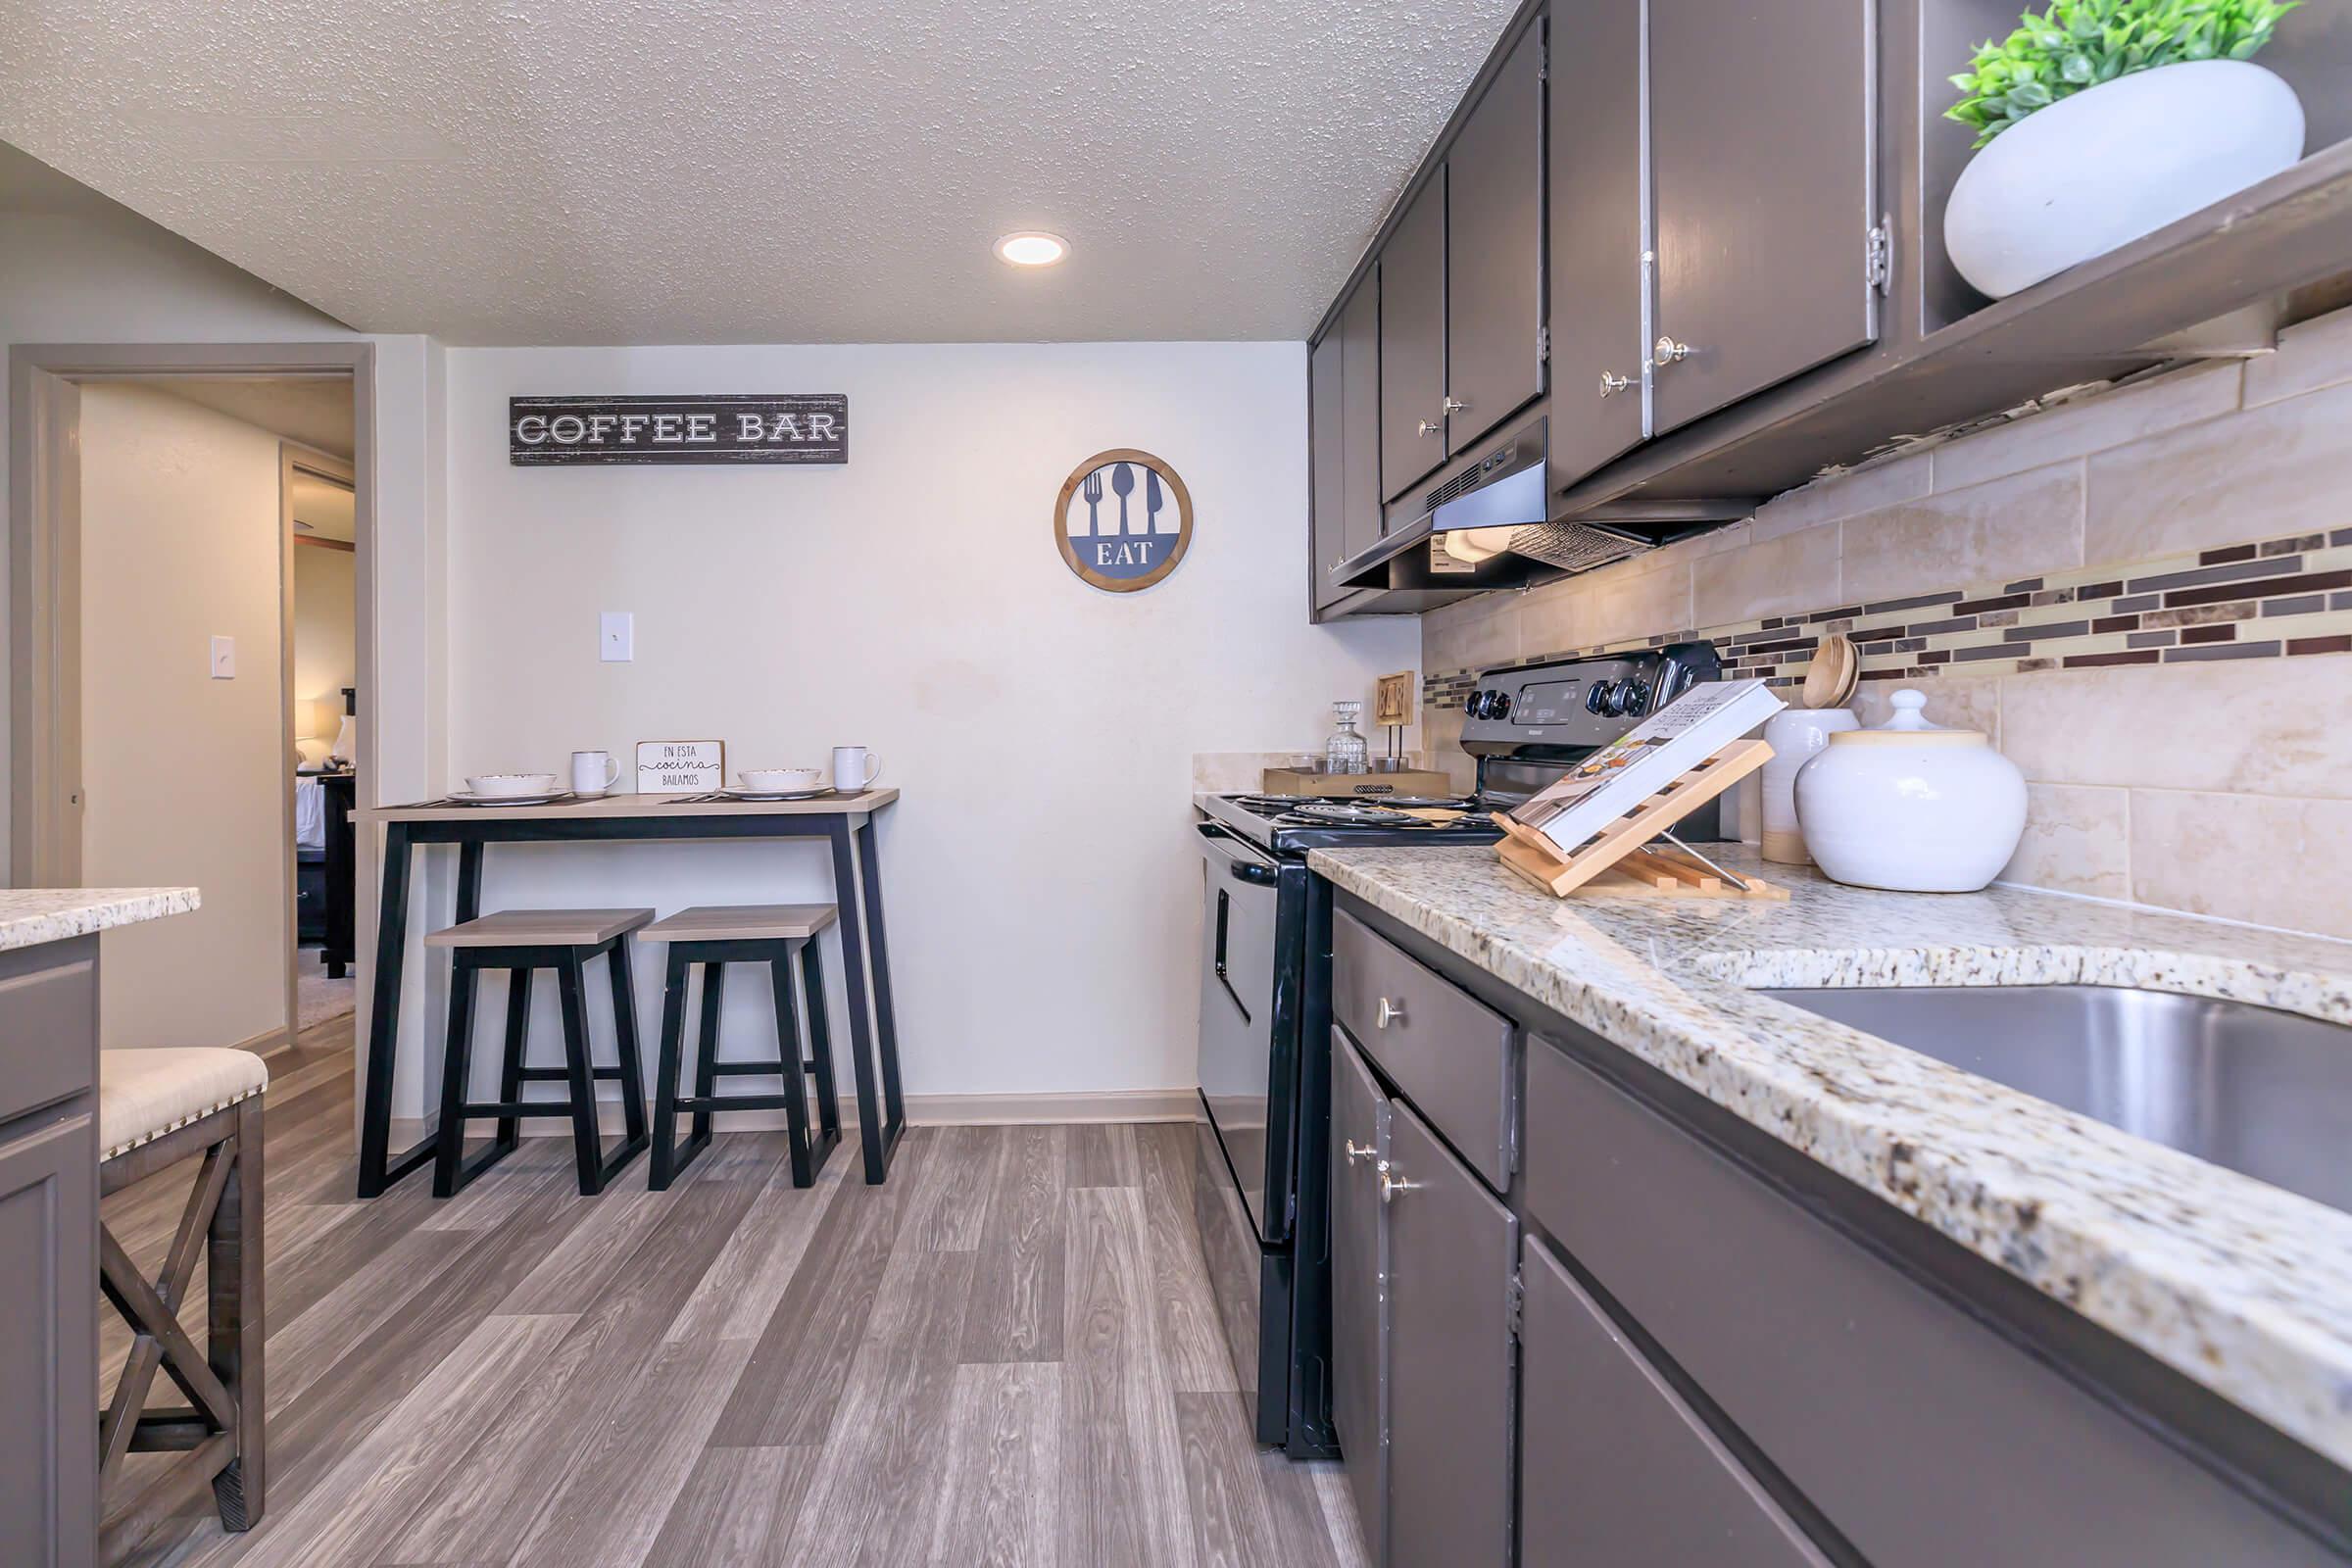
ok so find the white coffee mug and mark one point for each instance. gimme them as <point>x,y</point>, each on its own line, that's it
<point>593,772</point>
<point>854,768</point>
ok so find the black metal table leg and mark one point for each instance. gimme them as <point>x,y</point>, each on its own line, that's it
<point>378,1167</point>
<point>873,1139</point>
<point>894,1099</point>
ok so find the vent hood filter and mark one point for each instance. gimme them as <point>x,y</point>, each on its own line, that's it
<point>1575,545</point>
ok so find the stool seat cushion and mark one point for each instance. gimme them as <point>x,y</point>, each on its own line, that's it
<point>743,922</point>
<point>540,928</point>
<point>144,1095</point>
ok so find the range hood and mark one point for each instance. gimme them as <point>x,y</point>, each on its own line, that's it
<point>1490,525</point>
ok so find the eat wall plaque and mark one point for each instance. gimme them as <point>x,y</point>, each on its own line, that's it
<point>794,427</point>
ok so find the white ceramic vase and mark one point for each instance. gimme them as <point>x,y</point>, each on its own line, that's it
<point>2115,161</point>
<point>1794,734</point>
<point>1911,806</point>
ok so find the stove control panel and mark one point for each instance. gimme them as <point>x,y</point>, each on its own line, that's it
<point>1578,705</point>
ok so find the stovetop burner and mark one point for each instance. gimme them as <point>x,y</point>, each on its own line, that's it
<point>1300,822</point>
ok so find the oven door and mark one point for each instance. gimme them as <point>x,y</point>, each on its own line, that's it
<point>1241,889</point>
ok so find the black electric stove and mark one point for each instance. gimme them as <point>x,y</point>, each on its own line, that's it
<point>1263,1157</point>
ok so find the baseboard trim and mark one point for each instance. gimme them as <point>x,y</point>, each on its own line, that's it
<point>922,1110</point>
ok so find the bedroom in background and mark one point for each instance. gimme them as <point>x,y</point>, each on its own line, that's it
<point>217,659</point>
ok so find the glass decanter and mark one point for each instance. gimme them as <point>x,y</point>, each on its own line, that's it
<point>1347,751</point>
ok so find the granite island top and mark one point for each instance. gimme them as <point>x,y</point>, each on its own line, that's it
<point>2244,1286</point>
<point>31,916</point>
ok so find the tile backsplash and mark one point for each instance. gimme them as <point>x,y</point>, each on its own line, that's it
<point>2144,596</point>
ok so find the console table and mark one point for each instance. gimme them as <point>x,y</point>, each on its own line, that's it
<point>845,821</point>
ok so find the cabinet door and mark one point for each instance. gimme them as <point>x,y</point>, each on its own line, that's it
<point>49,1355</point>
<point>1359,402</point>
<point>1595,162</point>
<point>1412,343</point>
<point>1761,129</point>
<point>1451,1248</point>
<point>1359,1135</point>
<point>1613,1466</point>
<point>1326,439</point>
<point>1494,251</point>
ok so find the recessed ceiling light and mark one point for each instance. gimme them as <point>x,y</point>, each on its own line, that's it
<point>1032,248</point>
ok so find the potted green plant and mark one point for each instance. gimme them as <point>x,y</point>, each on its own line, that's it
<point>2100,121</point>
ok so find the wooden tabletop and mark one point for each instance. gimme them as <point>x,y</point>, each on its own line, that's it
<point>638,805</point>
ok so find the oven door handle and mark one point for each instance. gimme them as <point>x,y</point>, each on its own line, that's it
<point>1248,866</point>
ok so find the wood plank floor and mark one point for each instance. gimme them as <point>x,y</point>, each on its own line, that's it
<point>1005,1355</point>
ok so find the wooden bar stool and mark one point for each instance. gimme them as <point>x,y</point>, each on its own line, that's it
<point>716,936</point>
<point>520,941</point>
<point>155,1109</point>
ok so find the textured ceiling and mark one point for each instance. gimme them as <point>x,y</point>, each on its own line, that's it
<point>691,170</point>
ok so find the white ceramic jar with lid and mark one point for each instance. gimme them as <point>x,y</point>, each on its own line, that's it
<point>1911,806</point>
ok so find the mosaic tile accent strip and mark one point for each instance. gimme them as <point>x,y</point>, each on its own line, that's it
<point>2271,598</point>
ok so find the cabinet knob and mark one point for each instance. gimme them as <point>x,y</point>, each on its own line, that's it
<point>1356,1151</point>
<point>1455,405</point>
<point>1427,429</point>
<point>1666,351</point>
<point>1387,1014</point>
<point>1611,383</point>
<point>1390,1184</point>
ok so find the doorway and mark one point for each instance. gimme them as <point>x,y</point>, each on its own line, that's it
<point>182,671</point>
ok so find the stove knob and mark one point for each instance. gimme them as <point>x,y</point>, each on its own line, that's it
<point>1596,700</point>
<point>1475,707</point>
<point>1632,697</point>
<point>1499,705</point>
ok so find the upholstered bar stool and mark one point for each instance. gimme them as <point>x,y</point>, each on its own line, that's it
<point>521,942</point>
<point>716,936</point>
<point>155,1109</point>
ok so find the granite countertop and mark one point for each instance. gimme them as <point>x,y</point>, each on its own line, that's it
<point>2244,1286</point>
<point>31,916</point>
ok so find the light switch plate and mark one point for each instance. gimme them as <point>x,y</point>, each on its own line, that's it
<point>224,659</point>
<point>616,636</point>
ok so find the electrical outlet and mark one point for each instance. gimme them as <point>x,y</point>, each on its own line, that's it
<point>224,659</point>
<point>616,636</point>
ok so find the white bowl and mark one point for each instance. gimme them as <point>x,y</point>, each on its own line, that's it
<point>511,783</point>
<point>781,780</point>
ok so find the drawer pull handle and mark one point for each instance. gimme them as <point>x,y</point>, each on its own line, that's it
<point>1390,1184</point>
<point>1356,1151</point>
<point>1387,1014</point>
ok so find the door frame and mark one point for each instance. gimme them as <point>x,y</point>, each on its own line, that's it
<point>44,585</point>
<point>293,458</point>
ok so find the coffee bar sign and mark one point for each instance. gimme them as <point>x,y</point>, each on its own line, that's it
<point>795,427</point>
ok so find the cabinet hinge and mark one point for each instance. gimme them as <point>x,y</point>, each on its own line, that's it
<point>1513,1296</point>
<point>1880,253</point>
<point>1543,345</point>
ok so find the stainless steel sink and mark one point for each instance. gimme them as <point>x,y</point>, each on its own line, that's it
<point>2262,1092</point>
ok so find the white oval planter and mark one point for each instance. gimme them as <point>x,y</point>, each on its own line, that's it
<point>2118,161</point>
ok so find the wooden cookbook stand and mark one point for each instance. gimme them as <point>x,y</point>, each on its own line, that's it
<point>1623,861</point>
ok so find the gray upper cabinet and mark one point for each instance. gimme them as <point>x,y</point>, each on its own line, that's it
<point>1326,452</point>
<point>1618,1468</point>
<point>1494,251</point>
<point>1359,419</point>
<point>1451,1249</point>
<point>1598,348</point>
<point>1412,342</point>
<point>1360,1121</point>
<point>1761,161</point>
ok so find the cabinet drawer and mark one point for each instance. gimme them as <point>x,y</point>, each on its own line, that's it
<point>1449,1053</point>
<point>48,1024</point>
<point>1613,1466</point>
<point>1922,1435</point>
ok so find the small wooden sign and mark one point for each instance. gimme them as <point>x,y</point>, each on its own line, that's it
<point>1392,699</point>
<point>681,768</point>
<point>1123,520</point>
<point>748,428</point>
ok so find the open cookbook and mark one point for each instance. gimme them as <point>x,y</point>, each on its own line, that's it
<point>1644,759</point>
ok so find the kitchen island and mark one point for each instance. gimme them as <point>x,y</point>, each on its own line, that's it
<point>49,1209</point>
<point>1904,1312</point>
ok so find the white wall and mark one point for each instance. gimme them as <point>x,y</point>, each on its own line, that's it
<point>183,775</point>
<point>325,640</point>
<point>1041,884</point>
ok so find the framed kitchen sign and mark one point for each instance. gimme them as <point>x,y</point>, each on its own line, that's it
<point>681,768</point>
<point>1124,520</point>
<point>799,427</point>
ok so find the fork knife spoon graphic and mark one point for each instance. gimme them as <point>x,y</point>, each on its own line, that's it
<point>1093,491</point>
<point>1122,484</point>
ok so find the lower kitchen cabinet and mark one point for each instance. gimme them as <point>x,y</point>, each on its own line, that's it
<point>1451,1249</point>
<point>1359,1136</point>
<point>1617,1468</point>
